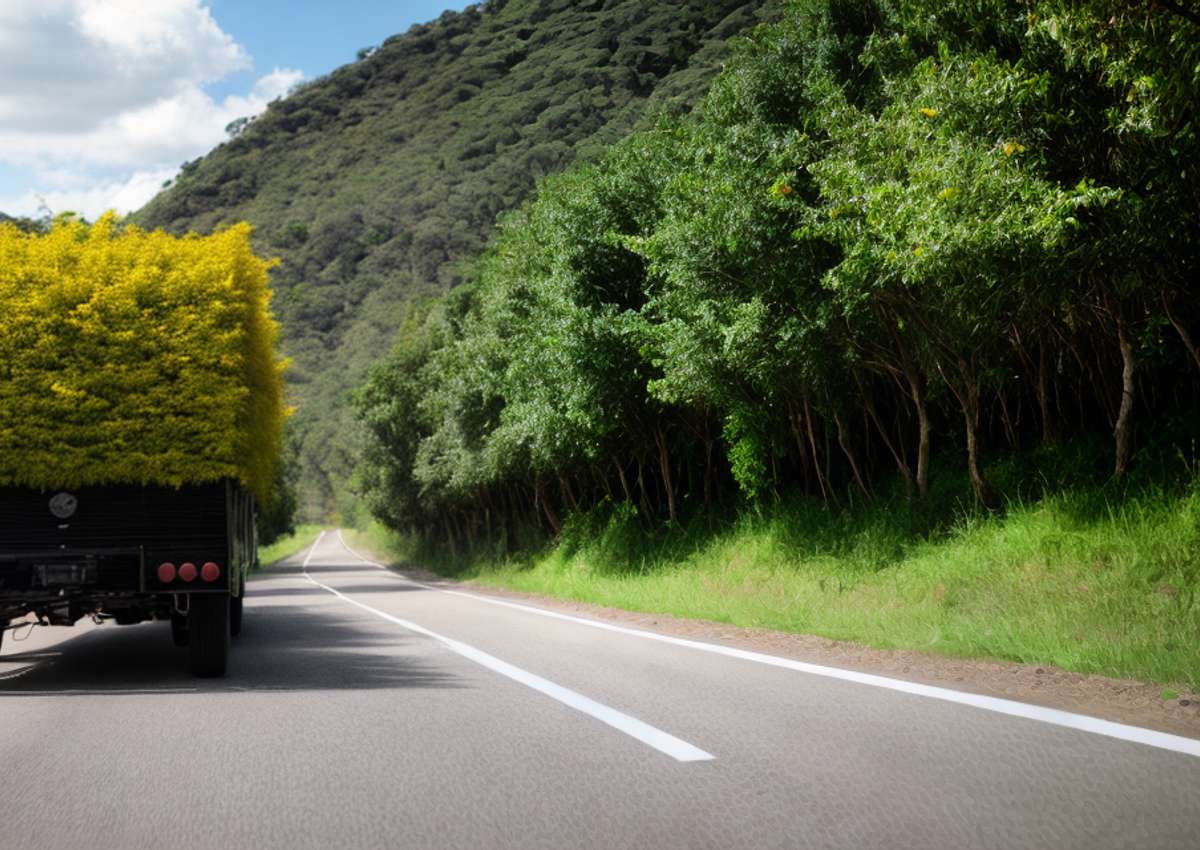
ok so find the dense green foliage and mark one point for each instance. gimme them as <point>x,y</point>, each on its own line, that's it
<point>892,225</point>
<point>376,183</point>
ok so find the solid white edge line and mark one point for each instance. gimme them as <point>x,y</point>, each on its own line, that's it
<point>1053,716</point>
<point>664,742</point>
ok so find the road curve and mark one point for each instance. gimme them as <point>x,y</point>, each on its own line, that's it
<point>363,710</point>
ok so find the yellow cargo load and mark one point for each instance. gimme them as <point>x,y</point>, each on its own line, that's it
<point>135,357</point>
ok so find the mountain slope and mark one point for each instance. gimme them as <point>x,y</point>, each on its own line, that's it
<point>378,182</point>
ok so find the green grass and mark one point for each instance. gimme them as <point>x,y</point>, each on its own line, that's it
<point>1086,578</point>
<point>379,542</point>
<point>288,545</point>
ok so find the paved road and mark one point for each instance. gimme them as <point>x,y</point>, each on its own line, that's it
<point>365,711</point>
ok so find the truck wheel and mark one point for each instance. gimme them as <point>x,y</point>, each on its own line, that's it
<point>235,614</point>
<point>179,629</point>
<point>208,633</point>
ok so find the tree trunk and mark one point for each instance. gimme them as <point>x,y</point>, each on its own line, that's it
<point>642,490</point>
<point>503,510</point>
<point>849,453</point>
<point>1123,431</point>
<point>568,494</point>
<point>970,407</point>
<point>551,516</point>
<point>606,483</point>
<point>828,456</point>
<point>812,441</point>
<point>1010,427</point>
<point>794,420</point>
<point>983,490</point>
<point>916,388</point>
<point>664,464</point>
<point>532,515</point>
<point>1182,330</point>
<point>917,392</point>
<point>901,463</point>
<point>450,537</point>
<point>470,522</point>
<point>624,482</point>
<point>708,470</point>
<point>1049,425</point>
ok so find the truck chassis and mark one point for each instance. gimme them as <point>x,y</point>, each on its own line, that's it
<point>128,554</point>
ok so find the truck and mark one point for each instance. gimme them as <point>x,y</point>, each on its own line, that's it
<point>141,415</point>
<point>128,554</point>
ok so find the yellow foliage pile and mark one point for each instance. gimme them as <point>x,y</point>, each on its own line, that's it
<point>135,357</point>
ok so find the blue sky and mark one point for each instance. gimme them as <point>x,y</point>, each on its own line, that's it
<point>314,36</point>
<point>101,100</point>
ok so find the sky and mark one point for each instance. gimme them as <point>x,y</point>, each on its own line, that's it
<point>101,101</point>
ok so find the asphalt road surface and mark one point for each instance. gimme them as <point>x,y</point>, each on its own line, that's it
<point>362,710</point>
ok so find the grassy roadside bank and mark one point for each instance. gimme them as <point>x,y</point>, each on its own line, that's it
<point>1084,579</point>
<point>288,545</point>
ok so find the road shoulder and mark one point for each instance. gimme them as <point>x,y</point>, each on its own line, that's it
<point>1120,700</point>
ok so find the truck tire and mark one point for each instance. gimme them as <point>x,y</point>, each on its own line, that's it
<point>179,629</point>
<point>208,633</point>
<point>235,613</point>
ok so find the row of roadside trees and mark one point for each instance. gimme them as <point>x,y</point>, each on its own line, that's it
<point>891,226</point>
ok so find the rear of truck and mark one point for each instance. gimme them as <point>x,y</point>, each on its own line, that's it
<point>127,554</point>
<point>141,414</point>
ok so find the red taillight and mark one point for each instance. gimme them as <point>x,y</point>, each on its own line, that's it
<point>188,572</point>
<point>166,572</point>
<point>210,572</point>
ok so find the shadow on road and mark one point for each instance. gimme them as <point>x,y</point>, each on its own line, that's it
<point>282,648</point>
<point>295,570</point>
<point>313,590</point>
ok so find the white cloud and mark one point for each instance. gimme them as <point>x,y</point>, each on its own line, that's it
<point>68,64</point>
<point>90,197</point>
<point>102,98</point>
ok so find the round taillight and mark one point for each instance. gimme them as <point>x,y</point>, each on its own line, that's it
<point>166,572</point>
<point>210,572</point>
<point>188,572</point>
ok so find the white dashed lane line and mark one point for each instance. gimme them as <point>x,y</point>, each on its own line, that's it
<point>651,736</point>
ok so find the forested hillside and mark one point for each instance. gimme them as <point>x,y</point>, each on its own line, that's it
<point>378,183</point>
<point>892,229</point>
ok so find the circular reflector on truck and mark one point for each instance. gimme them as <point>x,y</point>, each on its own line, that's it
<point>210,572</point>
<point>188,572</point>
<point>166,572</point>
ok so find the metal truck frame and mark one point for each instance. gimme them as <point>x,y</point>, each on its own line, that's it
<point>128,554</point>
